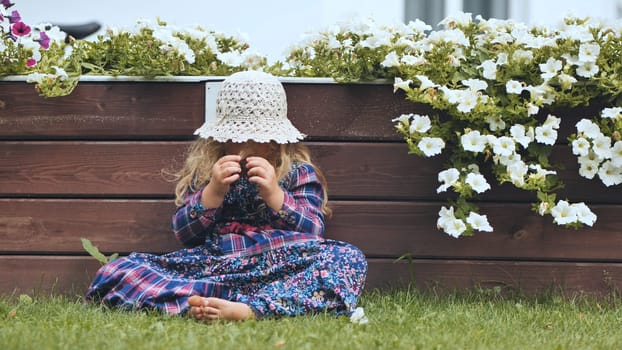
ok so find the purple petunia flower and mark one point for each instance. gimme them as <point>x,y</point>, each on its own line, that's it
<point>6,3</point>
<point>15,17</point>
<point>20,29</point>
<point>44,40</point>
<point>31,62</point>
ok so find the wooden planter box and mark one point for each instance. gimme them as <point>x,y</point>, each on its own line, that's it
<point>90,165</point>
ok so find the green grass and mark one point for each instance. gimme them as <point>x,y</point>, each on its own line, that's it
<point>397,320</point>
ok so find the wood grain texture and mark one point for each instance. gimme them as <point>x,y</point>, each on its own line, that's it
<point>354,170</point>
<point>103,111</point>
<point>148,110</point>
<point>72,274</point>
<point>348,111</point>
<point>518,276</point>
<point>379,229</point>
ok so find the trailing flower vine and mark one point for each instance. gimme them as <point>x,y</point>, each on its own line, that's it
<point>490,82</point>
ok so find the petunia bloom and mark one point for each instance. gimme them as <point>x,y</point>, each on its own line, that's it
<point>20,29</point>
<point>44,40</point>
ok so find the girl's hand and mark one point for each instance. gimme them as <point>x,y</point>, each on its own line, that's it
<point>262,173</point>
<point>225,171</point>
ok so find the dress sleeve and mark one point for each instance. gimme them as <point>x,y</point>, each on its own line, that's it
<point>192,222</point>
<point>302,203</point>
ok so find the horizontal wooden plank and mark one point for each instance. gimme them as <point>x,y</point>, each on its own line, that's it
<point>71,275</point>
<point>87,168</point>
<point>379,229</point>
<point>348,111</point>
<point>354,170</point>
<point>530,277</point>
<point>148,110</point>
<point>394,229</point>
<point>96,110</point>
<point>36,226</point>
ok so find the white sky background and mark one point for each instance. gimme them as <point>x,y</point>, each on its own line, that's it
<point>271,26</point>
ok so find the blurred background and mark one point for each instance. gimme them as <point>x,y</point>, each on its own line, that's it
<point>271,26</point>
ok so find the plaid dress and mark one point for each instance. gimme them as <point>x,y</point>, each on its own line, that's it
<point>277,262</point>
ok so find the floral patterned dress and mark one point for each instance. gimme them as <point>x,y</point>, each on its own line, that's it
<point>277,262</point>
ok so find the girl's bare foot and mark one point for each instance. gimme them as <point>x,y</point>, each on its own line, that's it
<point>211,309</point>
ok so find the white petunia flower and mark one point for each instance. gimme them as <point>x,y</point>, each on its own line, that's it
<point>459,18</point>
<point>448,178</point>
<point>514,87</point>
<point>522,136</point>
<point>445,216</point>
<point>566,80</point>
<point>473,141</point>
<point>523,55</point>
<point>616,154</point>
<point>532,109</point>
<point>420,123</point>
<point>577,32</point>
<point>502,59</point>
<point>550,68</point>
<point>358,316</point>
<point>580,147</point>
<point>588,52</point>
<point>468,101</point>
<point>602,146</point>
<point>587,69</point>
<point>231,58</point>
<point>611,113</point>
<point>571,59</point>
<point>475,84</point>
<point>474,168</point>
<point>489,69</point>
<point>477,182</point>
<point>391,60</point>
<point>543,207</point>
<point>431,146</point>
<point>545,134</point>
<point>610,175</point>
<point>517,171</point>
<point>563,213</point>
<point>584,214</point>
<point>540,172</point>
<point>425,82</point>
<point>60,73</point>
<point>504,146</point>
<point>552,121</point>
<point>455,228</point>
<point>404,118</point>
<point>401,84</point>
<point>479,222</point>
<point>588,128</point>
<point>588,168</point>
<point>418,26</point>
<point>413,60</point>
<point>495,123</point>
<point>507,160</point>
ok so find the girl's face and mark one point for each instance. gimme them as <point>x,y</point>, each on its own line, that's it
<point>249,148</point>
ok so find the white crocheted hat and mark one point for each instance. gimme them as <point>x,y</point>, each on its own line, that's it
<point>251,105</point>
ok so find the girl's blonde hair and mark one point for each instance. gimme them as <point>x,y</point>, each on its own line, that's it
<point>204,153</point>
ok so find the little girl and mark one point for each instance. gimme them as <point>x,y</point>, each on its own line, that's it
<point>251,208</point>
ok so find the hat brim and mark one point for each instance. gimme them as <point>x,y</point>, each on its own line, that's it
<point>280,131</point>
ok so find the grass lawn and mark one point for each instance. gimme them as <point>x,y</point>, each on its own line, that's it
<point>397,320</point>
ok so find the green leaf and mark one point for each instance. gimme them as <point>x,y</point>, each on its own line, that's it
<point>93,251</point>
